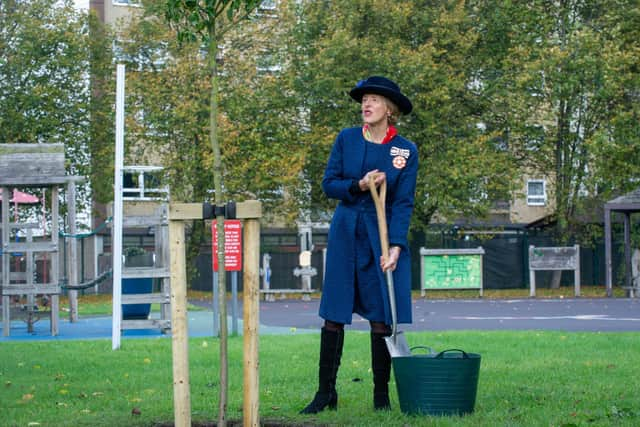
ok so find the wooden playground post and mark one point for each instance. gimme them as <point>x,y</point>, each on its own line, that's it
<point>72,254</point>
<point>250,211</point>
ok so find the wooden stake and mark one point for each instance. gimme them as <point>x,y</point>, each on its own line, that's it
<point>250,211</point>
<point>180,337</point>
<point>251,315</point>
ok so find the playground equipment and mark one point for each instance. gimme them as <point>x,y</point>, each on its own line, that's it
<point>142,209</point>
<point>40,166</point>
<point>626,204</point>
<point>136,205</point>
<point>305,271</point>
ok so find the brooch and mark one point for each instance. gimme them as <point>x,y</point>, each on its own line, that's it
<point>399,162</point>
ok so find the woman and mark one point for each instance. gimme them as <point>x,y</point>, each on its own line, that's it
<point>354,279</point>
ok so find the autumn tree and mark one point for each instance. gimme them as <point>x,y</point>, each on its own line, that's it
<point>263,153</point>
<point>425,47</point>
<point>44,92</point>
<point>562,77</point>
<point>614,148</point>
<point>101,145</point>
<point>168,102</point>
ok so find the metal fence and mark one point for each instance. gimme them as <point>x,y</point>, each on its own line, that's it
<point>505,260</point>
<point>284,248</point>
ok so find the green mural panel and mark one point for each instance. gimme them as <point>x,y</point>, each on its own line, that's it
<point>452,271</point>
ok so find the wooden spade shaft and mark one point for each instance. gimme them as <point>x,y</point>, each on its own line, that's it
<point>379,201</point>
<point>396,343</point>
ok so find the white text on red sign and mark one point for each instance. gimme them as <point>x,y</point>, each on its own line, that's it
<point>232,245</point>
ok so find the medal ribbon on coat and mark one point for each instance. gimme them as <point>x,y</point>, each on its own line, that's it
<point>400,157</point>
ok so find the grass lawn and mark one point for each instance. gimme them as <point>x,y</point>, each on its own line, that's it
<point>526,379</point>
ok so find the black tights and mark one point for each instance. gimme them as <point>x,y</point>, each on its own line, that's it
<point>376,327</point>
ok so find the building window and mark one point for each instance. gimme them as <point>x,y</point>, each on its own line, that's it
<point>268,8</point>
<point>268,5</point>
<point>126,2</point>
<point>536,192</point>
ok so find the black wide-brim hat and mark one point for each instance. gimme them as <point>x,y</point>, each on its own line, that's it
<point>382,86</point>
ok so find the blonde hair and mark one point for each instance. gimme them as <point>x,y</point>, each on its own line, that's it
<point>394,115</point>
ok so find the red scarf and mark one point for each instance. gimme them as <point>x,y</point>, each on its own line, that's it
<point>391,132</point>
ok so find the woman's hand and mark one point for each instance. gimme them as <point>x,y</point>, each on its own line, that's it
<point>379,177</point>
<point>392,262</point>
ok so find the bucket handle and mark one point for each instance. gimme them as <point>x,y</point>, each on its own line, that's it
<point>423,347</point>
<point>441,354</point>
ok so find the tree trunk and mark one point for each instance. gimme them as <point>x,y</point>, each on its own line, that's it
<point>217,182</point>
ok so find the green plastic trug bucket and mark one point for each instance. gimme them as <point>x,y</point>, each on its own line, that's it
<point>437,384</point>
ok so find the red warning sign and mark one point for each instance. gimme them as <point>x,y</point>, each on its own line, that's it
<point>232,245</point>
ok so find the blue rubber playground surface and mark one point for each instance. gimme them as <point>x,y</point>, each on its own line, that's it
<point>200,324</point>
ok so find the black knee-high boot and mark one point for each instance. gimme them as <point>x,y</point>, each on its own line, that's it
<point>331,343</point>
<point>381,367</point>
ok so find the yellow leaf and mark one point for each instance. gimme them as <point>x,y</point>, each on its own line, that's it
<point>27,397</point>
<point>63,391</point>
<point>147,360</point>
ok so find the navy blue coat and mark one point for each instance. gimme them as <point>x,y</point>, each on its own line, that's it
<point>344,166</point>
